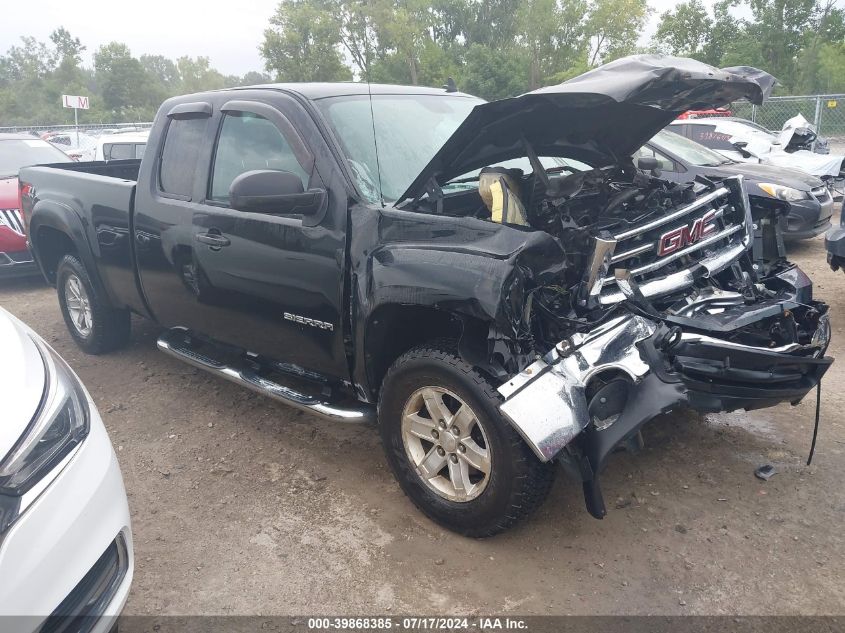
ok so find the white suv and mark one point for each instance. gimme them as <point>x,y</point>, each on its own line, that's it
<point>65,536</point>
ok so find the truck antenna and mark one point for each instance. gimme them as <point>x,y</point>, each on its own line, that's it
<point>375,139</point>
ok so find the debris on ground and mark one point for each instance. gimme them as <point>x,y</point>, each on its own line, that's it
<point>765,472</point>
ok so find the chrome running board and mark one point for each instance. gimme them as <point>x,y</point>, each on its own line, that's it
<point>176,342</point>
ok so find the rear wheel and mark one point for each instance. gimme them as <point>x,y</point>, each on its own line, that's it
<point>453,453</point>
<point>95,326</point>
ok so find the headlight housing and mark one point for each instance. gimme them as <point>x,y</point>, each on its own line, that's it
<point>782,192</point>
<point>60,424</point>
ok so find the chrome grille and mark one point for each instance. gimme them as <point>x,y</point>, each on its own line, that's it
<point>13,219</point>
<point>714,244</point>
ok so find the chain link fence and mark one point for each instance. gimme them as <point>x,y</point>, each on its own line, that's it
<point>825,112</point>
<point>94,129</point>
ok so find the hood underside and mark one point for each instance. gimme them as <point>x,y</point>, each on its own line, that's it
<point>609,111</point>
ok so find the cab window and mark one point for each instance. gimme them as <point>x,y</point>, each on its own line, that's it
<point>179,156</point>
<point>249,142</point>
<point>709,137</point>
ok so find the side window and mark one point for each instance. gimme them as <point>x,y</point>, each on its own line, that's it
<point>179,156</point>
<point>683,130</point>
<point>118,151</point>
<point>140,148</point>
<point>247,142</point>
<point>709,137</point>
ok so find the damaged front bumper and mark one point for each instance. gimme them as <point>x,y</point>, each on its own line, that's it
<point>593,392</point>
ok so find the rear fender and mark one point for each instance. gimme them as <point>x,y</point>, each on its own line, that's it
<point>62,218</point>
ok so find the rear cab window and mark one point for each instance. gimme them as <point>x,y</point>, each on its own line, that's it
<point>709,137</point>
<point>182,145</point>
<point>122,151</point>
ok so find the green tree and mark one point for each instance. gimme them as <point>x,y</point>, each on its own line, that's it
<point>402,27</point>
<point>32,60</point>
<point>552,32</point>
<point>613,27</point>
<point>303,43</point>
<point>162,70</point>
<point>493,73</point>
<point>197,75</point>
<point>254,78</point>
<point>724,29</point>
<point>827,31</point>
<point>685,29</point>
<point>831,64</point>
<point>122,82</point>
<point>780,27</point>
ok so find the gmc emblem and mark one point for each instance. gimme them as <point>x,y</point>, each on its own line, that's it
<point>676,239</point>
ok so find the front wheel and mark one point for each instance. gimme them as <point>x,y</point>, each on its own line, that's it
<point>94,324</point>
<point>453,453</point>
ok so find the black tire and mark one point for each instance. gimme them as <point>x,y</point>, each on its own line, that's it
<point>518,481</point>
<point>109,328</point>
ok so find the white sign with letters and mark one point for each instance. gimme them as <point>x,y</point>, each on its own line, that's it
<point>76,102</point>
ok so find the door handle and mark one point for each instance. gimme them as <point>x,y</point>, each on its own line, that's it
<point>215,240</point>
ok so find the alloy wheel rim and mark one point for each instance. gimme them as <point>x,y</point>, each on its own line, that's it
<point>446,443</point>
<point>78,305</point>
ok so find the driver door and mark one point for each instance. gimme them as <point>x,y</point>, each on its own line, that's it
<point>272,284</point>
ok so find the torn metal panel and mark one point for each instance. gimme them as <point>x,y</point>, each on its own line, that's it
<point>547,402</point>
<point>462,266</point>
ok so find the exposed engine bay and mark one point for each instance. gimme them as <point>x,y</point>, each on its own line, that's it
<point>661,303</point>
<point>676,246</point>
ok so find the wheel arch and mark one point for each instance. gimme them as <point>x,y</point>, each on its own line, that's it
<point>393,329</point>
<point>55,230</point>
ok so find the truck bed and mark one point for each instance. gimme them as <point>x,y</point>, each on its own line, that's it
<point>96,200</point>
<point>122,169</point>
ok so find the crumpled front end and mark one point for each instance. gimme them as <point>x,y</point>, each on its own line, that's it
<point>715,350</point>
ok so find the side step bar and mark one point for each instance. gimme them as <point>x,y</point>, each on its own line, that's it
<point>174,342</point>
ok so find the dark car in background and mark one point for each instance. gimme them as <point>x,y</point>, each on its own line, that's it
<point>834,242</point>
<point>16,151</point>
<point>804,201</point>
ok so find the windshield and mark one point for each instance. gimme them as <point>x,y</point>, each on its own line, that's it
<point>409,129</point>
<point>687,150</point>
<point>17,153</point>
<point>754,125</point>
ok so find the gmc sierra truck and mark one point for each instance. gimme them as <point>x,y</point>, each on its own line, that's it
<point>430,262</point>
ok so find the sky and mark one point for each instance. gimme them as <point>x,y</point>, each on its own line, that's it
<point>229,33</point>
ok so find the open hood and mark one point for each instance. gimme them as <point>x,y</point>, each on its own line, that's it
<point>609,111</point>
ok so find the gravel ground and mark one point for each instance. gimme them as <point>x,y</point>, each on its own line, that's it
<point>243,506</point>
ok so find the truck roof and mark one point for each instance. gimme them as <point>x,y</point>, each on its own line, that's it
<point>323,90</point>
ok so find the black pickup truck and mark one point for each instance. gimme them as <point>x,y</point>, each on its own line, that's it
<point>423,259</point>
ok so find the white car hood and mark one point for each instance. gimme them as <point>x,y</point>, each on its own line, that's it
<point>816,164</point>
<point>22,380</point>
<point>760,145</point>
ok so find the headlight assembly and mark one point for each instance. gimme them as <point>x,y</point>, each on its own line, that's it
<point>782,192</point>
<point>59,425</point>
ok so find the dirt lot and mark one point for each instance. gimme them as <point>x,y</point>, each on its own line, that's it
<point>243,506</point>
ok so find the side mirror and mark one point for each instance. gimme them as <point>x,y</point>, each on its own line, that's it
<point>274,192</point>
<point>649,163</point>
